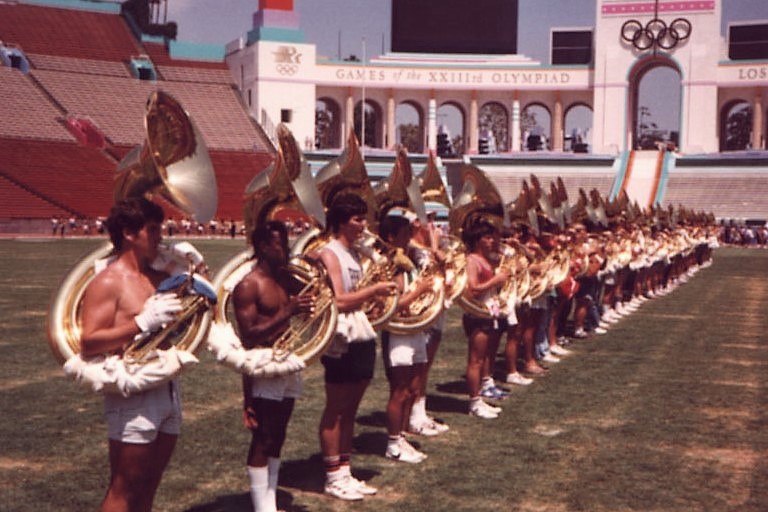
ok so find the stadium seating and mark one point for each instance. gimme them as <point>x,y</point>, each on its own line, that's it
<point>80,69</point>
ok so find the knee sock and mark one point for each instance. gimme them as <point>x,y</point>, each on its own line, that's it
<point>259,480</point>
<point>419,411</point>
<point>273,466</point>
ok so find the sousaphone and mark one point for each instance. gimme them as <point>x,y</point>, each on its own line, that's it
<point>403,190</point>
<point>285,190</point>
<point>172,163</point>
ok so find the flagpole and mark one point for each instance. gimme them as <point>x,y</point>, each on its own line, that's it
<point>362,109</point>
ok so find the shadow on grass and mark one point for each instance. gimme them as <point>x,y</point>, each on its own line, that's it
<point>242,502</point>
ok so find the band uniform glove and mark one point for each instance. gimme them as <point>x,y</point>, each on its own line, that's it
<point>186,251</point>
<point>158,310</point>
<point>176,258</point>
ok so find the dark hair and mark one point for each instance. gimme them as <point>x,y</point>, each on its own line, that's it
<point>477,230</point>
<point>344,207</point>
<point>391,225</point>
<point>263,233</point>
<point>131,215</point>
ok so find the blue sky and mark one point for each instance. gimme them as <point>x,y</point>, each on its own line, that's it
<point>221,21</point>
<point>339,26</point>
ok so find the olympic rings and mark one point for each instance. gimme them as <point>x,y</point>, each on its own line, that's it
<point>656,32</point>
<point>286,69</point>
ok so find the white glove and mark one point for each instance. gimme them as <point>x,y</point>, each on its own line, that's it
<point>159,309</point>
<point>187,252</point>
<point>175,258</point>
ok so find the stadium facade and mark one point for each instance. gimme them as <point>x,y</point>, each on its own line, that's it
<point>76,106</point>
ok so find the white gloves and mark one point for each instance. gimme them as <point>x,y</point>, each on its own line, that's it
<point>158,310</point>
<point>186,251</point>
<point>175,258</point>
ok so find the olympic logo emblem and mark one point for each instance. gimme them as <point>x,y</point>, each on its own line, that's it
<point>287,69</point>
<point>656,33</point>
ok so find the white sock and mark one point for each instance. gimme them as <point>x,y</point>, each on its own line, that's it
<point>259,479</point>
<point>419,411</point>
<point>273,465</point>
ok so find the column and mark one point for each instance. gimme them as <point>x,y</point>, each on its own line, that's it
<point>391,128</point>
<point>432,123</point>
<point>557,124</point>
<point>473,130</point>
<point>349,118</point>
<point>757,121</point>
<point>515,128</point>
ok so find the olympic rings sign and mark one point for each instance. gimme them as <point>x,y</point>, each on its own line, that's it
<point>656,33</point>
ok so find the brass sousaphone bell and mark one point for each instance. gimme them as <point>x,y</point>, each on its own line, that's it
<point>285,189</point>
<point>401,189</point>
<point>172,163</point>
<point>346,174</point>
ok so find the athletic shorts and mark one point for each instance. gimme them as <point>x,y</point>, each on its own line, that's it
<point>403,350</point>
<point>138,418</point>
<point>472,323</point>
<point>355,365</point>
<point>278,388</point>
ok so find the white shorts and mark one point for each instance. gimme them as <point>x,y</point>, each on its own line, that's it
<point>408,349</point>
<point>138,418</point>
<point>277,388</point>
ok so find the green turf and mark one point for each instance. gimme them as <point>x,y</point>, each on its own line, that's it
<point>666,412</point>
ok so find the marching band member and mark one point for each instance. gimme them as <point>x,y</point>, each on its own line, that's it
<point>405,355</point>
<point>482,239</point>
<point>263,308</point>
<point>119,304</point>
<point>349,361</point>
<point>424,250</point>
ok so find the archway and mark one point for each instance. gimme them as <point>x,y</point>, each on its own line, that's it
<point>535,124</point>
<point>409,123</point>
<point>327,124</point>
<point>373,119</point>
<point>493,126</point>
<point>656,95</point>
<point>736,126</point>
<point>450,129</point>
<point>578,128</point>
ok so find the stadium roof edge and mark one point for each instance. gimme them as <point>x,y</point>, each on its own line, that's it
<point>105,6</point>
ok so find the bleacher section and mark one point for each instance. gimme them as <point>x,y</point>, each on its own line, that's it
<point>19,203</point>
<point>66,175</point>
<point>80,66</point>
<point>26,112</point>
<point>67,32</point>
<point>729,194</point>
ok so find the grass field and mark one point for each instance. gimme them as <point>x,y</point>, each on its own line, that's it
<point>666,412</point>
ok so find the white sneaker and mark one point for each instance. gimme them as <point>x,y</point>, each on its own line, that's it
<point>404,452</point>
<point>604,324</point>
<point>600,330</point>
<point>549,358</point>
<point>493,408</point>
<point>477,409</point>
<point>343,489</point>
<point>580,333</point>
<point>558,350</point>
<point>423,429</point>
<point>362,487</point>
<point>517,378</point>
<point>436,425</point>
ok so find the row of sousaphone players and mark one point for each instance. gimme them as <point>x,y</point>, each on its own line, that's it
<point>371,263</point>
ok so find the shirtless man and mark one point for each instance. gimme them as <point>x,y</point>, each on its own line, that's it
<point>263,308</point>
<point>119,304</point>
